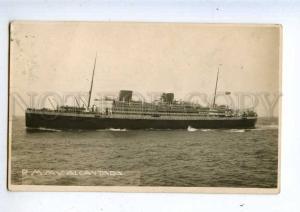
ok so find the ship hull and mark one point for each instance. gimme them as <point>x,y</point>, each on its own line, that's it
<point>90,122</point>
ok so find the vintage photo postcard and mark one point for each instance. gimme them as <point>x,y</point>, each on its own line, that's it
<point>144,107</point>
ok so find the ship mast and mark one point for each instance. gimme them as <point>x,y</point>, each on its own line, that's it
<point>90,91</point>
<point>214,102</point>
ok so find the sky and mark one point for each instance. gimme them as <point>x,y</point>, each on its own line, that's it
<point>144,57</point>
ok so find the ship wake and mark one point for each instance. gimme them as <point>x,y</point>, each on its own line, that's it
<point>191,129</point>
<point>237,130</point>
<point>41,129</point>
<point>117,130</point>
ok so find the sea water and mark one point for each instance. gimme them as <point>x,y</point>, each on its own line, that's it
<point>187,157</point>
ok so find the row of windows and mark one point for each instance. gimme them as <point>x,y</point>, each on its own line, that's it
<point>158,113</point>
<point>139,104</point>
<point>159,108</point>
<point>164,112</point>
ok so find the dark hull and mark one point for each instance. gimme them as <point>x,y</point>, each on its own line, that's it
<point>37,120</point>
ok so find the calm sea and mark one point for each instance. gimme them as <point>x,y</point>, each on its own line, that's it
<point>215,158</point>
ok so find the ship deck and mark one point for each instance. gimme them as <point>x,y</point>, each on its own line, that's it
<point>137,116</point>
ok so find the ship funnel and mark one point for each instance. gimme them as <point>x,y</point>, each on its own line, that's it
<point>125,95</point>
<point>167,97</point>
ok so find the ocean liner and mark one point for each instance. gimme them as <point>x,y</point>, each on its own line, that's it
<point>125,113</point>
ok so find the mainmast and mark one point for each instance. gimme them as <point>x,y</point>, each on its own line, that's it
<point>90,91</point>
<point>214,102</point>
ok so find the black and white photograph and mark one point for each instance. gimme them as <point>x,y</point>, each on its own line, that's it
<point>133,106</point>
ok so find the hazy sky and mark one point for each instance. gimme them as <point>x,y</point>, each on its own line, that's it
<point>179,58</point>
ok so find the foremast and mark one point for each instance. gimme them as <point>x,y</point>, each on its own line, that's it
<point>216,87</point>
<point>92,81</point>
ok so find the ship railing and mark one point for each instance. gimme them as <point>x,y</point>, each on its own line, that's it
<point>173,113</point>
<point>60,111</point>
<point>127,116</point>
<point>150,113</point>
<point>181,116</point>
